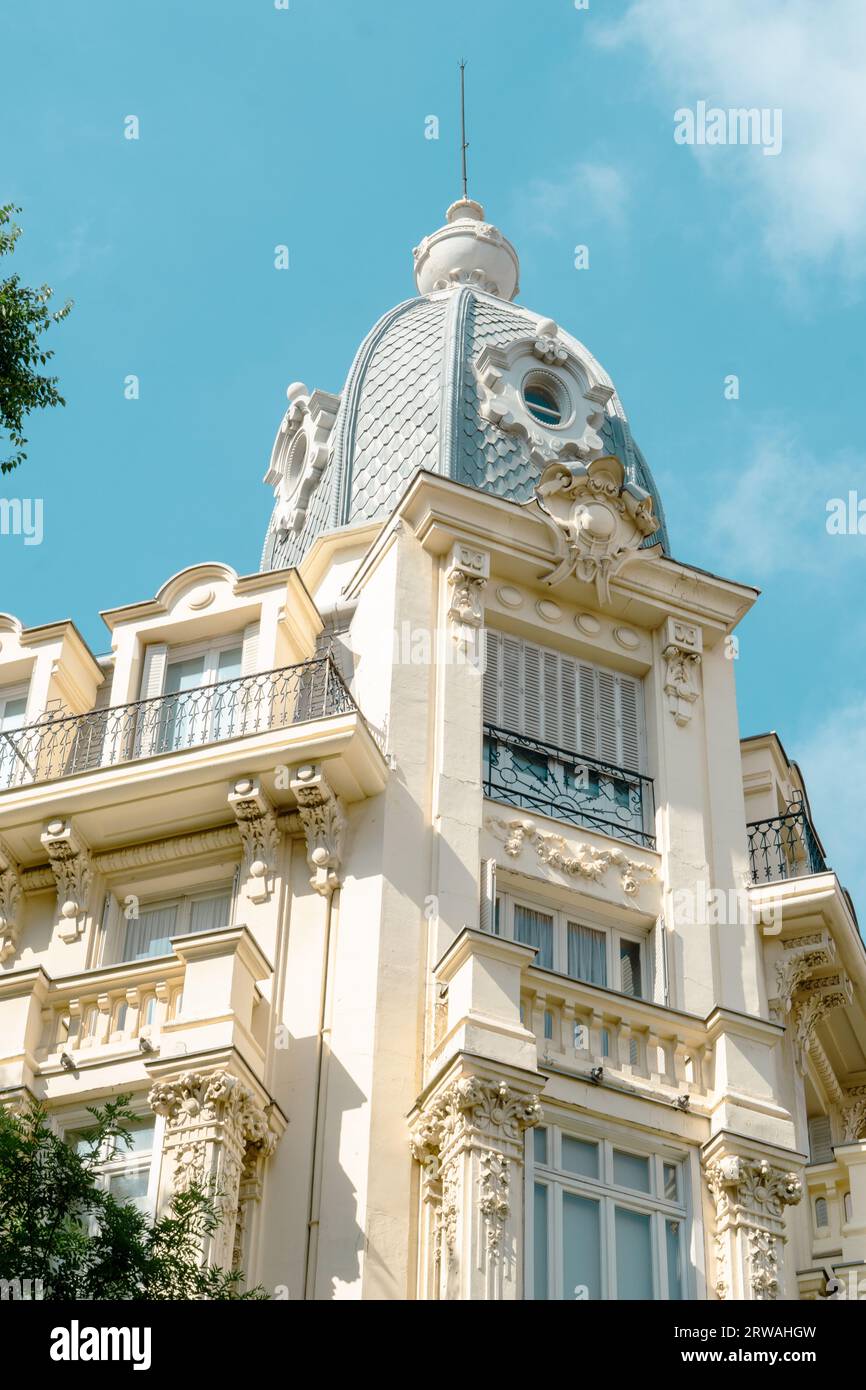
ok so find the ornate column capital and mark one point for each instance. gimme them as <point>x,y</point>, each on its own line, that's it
<point>11,894</point>
<point>682,647</point>
<point>260,835</point>
<point>854,1115</point>
<point>71,866</point>
<point>468,1139</point>
<point>821,997</point>
<point>324,823</point>
<point>217,1136</point>
<point>751,1194</point>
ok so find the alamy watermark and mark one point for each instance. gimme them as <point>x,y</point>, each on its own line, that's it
<point>22,516</point>
<point>739,125</point>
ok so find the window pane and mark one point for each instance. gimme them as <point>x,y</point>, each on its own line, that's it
<point>141,1133</point>
<point>581,1252</point>
<point>631,1170</point>
<point>150,933</point>
<point>629,968</point>
<point>540,1144</point>
<point>535,929</point>
<point>587,954</point>
<point>539,1221</point>
<point>208,914</point>
<point>129,1187</point>
<point>672,1182</point>
<point>579,1156</point>
<point>633,1254</point>
<point>675,1259</point>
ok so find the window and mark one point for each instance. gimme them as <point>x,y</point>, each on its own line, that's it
<point>607,1221</point>
<point>193,711</point>
<point>546,398</point>
<point>605,956</point>
<point>822,1219</point>
<point>573,705</point>
<point>150,933</point>
<point>13,712</point>
<point>124,1172</point>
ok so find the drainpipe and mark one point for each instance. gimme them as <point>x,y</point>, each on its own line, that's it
<point>323,1053</point>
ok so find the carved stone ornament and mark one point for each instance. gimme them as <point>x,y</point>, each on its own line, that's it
<point>11,894</point>
<point>468,572</point>
<point>469,1142</point>
<point>70,864</point>
<point>821,997</point>
<point>217,1138</point>
<point>801,957</point>
<point>544,359</point>
<point>324,824</point>
<point>300,452</point>
<point>854,1118</point>
<point>259,832</point>
<point>750,1195</point>
<point>682,645</point>
<point>579,861</point>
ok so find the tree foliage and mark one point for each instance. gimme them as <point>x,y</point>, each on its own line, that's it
<point>24,317</point>
<point>60,1227</point>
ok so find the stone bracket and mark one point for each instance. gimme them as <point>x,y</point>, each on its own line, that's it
<point>11,893</point>
<point>71,866</point>
<point>323,819</point>
<point>259,832</point>
<point>682,649</point>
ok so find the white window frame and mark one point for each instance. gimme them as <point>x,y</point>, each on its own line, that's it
<point>118,922</point>
<point>210,648</point>
<point>610,1195</point>
<point>126,1160</point>
<point>613,933</point>
<point>20,691</point>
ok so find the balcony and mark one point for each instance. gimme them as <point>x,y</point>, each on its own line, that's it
<point>597,795</point>
<point>126,772</point>
<point>62,746</point>
<point>784,847</point>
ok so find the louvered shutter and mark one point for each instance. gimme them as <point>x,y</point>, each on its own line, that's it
<point>608,743</point>
<point>820,1145</point>
<point>153,674</point>
<point>532,712</point>
<point>552,713</point>
<point>588,707</point>
<point>511,683</point>
<point>568,705</point>
<point>629,724</point>
<point>492,676</point>
<point>250,650</point>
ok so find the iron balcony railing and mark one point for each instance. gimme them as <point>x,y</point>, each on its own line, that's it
<point>784,847</point>
<point>63,745</point>
<point>536,776</point>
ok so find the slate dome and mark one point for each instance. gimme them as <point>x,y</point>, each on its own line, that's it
<point>458,380</point>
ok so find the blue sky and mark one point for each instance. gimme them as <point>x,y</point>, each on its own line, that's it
<point>306,127</point>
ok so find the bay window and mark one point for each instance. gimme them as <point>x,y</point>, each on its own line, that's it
<point>607,1218</point>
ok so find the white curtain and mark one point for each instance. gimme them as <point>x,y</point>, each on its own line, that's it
<point>535,929</point>
<point>150,933</point>
<point>587,954</point>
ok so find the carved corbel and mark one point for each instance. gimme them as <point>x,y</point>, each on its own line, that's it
<point>324,824</point>
<point>70,864</point>
<point>822,996</point>
<point>468,572</point>
<point>257,826</point>
<point>682,648</point>
<point>10,904</point>
<point>800,959</point>
<point>854,1116</point>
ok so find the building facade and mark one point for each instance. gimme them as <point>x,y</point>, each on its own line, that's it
<point>419,889</point>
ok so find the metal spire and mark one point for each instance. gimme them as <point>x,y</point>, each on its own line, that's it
<point>464,144</point>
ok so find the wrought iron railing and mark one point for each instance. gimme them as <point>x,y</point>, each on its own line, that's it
<point>784,847</point>
<point>584,791</point>
<point>63,745</point>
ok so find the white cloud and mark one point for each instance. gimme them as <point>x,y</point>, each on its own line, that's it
<point>586,193</point>
<point>832,758</point>
<point>807,59</point>
<point>769,508</point>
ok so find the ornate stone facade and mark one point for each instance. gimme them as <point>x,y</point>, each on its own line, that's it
<point>751,1195</point>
